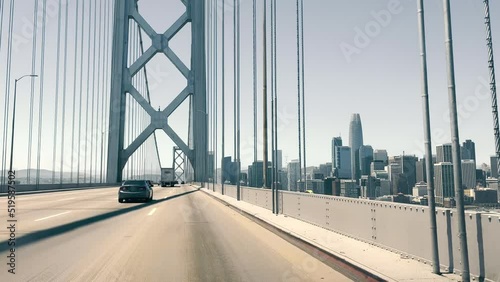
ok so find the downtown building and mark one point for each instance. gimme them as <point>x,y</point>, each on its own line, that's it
<point>355,142</point>
<point>443,181</point>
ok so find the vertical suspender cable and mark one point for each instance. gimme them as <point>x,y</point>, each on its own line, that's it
<point>32,93</point>
<point>254,63</point>
<point>40,106</point>
<point>98,129</point>
<point>81,95</point>
<point>428,141</point>
<point>457,168</point>
<point>56,103</point>
<point>2,5</point>
<point>276,105</point>
<point>74,93</point>
<point>264,98</point>
<point>216,81</point>
<point>303,89</point>
<point>273,160</point>
<point>493,87</point>
<point>234,79</point>
<point>238,78</point>
<point>87,97</point>
<point>92,118</point>
<point>103,90</point>
<point>223,94</point>
<point>65,63</point>
<point>299,125</point>
<point>7,85</point>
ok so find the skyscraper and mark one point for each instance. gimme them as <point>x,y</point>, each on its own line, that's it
<point>444,153</point>
<point>421,171</point>
<point>344,163</point>
<point>469,150</point>
<point>444,184</point>
<point>355,142</point>
<point>293,175</point>
<point>469,174</point>
<point>494,166</point>
<point>381,155</point>
<point>336,143</point>
<point>365,159</point>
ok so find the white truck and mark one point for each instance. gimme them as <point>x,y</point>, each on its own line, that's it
<point>168,177</point>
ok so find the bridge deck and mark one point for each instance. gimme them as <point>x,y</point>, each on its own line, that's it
<point>383,263</point>
<point>183,235</point>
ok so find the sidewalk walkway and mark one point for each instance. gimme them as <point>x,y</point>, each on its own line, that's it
<point>383,263</point>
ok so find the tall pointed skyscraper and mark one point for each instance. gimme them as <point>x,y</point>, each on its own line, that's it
<point>355,142</point>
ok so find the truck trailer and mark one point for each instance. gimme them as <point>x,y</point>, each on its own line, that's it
<point>168,177</point>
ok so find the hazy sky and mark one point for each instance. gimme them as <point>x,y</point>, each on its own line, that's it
<point>357,60</point>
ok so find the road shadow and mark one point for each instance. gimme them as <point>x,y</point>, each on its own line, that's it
<point>34,237</point>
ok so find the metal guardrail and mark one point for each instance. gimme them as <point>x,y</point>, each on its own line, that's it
<point>400,228</point>
<point>45,187</point>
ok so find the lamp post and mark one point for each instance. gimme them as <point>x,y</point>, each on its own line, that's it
<point>14,117</point>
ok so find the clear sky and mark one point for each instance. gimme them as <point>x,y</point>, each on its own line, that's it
<point>357,60</point>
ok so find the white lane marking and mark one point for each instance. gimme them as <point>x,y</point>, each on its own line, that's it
<point>51,216</point>
<point>66,199</point>
<point>152,211</point>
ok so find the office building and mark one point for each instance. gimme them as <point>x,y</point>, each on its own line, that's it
<point>443,181</point>
<point>343,170</point>
<point>420,170</point>
<point>349,188</point>
<point>394,170</point>
<point>230,170</point>
<point>369,187</point>
<point>256,174</point>
<point>385,188</point>
<point>332,186</point>
<point>494,166</point>
<point>325,169</point>
<point>486,196</point>
<point>468,174</point>
<point>420,189</point>
<point>336,143</point>
<point>355,142</point>
<point>469,150</point>
<point>365,159</point>
<point>444,153</point>
<point>283,180</point>
<point>381,155</point>
<point>293,175</point>
<point>376,166</point>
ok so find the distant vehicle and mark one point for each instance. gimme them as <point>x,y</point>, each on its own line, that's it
<point>135,190</point>
<point>168,177</point>
<point>310,191</point>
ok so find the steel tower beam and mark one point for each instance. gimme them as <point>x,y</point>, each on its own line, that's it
<point>121,86</point>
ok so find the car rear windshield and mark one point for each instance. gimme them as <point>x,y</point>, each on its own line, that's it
<point>134,182</point>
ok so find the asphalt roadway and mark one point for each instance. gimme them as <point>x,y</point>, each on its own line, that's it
<point>182,235</point>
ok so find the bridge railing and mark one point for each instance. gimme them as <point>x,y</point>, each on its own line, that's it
<point>400,228</point>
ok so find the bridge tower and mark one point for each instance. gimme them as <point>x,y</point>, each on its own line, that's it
<point>126,11</point>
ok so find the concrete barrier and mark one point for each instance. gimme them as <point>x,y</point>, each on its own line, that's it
<point>401,228</point>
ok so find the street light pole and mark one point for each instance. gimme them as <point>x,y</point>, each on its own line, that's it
<point>14,118</point>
